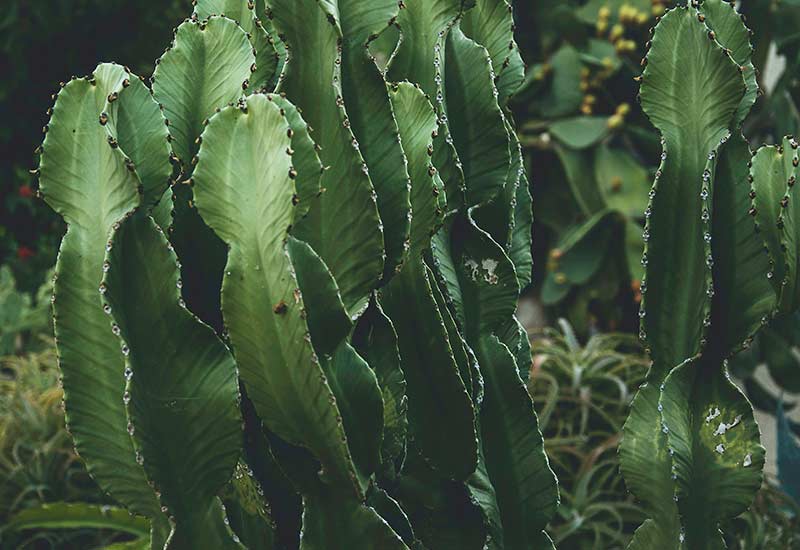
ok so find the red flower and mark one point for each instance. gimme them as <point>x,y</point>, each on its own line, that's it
<point>25,191</point>
<point>23,253</point>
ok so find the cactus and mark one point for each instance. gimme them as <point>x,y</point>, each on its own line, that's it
<point>714,277</point>
<point>358,237</point>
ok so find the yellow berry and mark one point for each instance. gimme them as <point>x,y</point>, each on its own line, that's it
<point>604,13</point>
<point>616,32</point>
<point>623,109</point>
<point>561,278</point>
<point>615,121</point>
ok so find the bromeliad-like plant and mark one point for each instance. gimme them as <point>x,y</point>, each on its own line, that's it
<point>720,262</point>
<point>368,231</point>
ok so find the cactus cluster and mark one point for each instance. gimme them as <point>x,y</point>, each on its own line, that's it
<point>719,265</point>
<point>285,302</point>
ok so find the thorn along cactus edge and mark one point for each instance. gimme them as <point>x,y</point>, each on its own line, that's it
<point>348,217</point>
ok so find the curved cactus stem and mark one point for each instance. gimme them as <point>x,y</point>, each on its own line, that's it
<point>445,514</point>
<point>175,367</point>
<point>353,250</point>
<point>416,123</point>
<point>526,488</point>
<point>521,237</point>
<point>373,121</point>
<point>304,158</point>
<point>278,365</point>
<point>134,120</point>
<point>190,93</point>
<point>359,399</point>
<point>87,181</point>
<point>789,224</point>
<point>326,315</point>
<point>693,99</point>
<point>375,340</point>
<point>497,215</point>
<point>248,512</point>
<point>693,119</point>
<point>744,299</point>
<point>713,440</point>
<point>491,23</point>
<point>732,34</point>
<point>205,69</point>
<point>420,58</point>
<point>333,523</point>
<point>244,13</point>
<point>771,170</point>
<point>440,411</point>
<point>393,514</point>
<point>479,131</point>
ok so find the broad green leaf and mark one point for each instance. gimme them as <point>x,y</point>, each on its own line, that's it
<point>62,515</point>
<point>623,182</point>
<point>182,391</point>
<point>564,95</point>
<point>717,459</point>
<point>204,70</point>
<point>441,416</point>
<point>477,124</point>
<point>87,182</point>
<point>245,14</point>
<point>373,121</point>
<point>581,251</point>
<point>393,514</point>
<point>353,250</point>
<point>241,179</point>
<point>580,132</point>
<point>579,170</point>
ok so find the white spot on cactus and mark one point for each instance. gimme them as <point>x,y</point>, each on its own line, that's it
<point>720,448</point>
<point>748,460</point>
<point>712,415</point>
<point>486,270</point>
<point>723,427</point>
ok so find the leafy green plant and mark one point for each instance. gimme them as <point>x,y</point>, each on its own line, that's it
<point>691,451</point>
<point>582,395</point>
<point>358,236</point>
